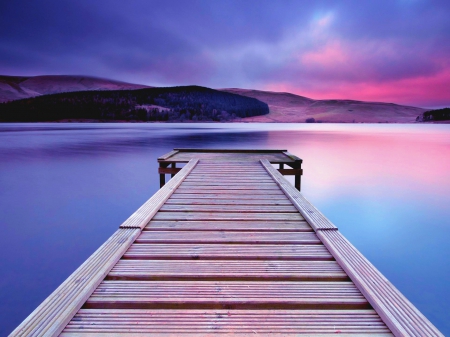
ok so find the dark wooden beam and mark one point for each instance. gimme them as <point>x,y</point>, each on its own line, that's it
<point>291,172</point>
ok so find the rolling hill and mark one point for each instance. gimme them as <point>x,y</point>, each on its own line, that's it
<point>283,107</point>
<point>290,108</point>
<point>186,103</point>
<point>19,87</point>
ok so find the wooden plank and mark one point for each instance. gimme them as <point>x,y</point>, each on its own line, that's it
<point>231,173</point>
<point>168,155</point>
<point>235,156</point>
<point>232,176</point>
<point>400,315</point>
<point>231,184</point>
<point>250,165</point>
<point>230,157</point>
<point>168,170</point>
<point>132,269</point>
<point>214,162</point>
<point>142,216</point>
<point>314,217</point>
<point>227,252</point>
<point>247,187</point>
<point>242,226</point>
<point>248,295</point>
<point>237,192</point>
<point>292,157</point>
<point>260,202</point>
<point>234,169</point>
<point>229,208</point>
<point>229,165</point>
<point>229,168</point>
<point>286,172</point>
<point>250,179</point>
<point>276,323</point>
<point>52,315</point>
<point>227,237</point>
<point>213,216</point>
<point>260,151</point>
<point>227,195</point>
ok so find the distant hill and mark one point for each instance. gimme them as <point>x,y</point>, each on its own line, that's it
<point>152,104</point>
<point>19,87</point>
<point>283,107</point>
<point>290,108</point>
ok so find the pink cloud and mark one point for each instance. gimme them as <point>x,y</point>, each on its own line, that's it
<point>332,54</point>
<point>424,91</point>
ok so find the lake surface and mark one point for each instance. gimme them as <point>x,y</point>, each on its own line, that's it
<point>65,188</point>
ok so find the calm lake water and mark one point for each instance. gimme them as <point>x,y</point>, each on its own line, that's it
<point>65,188</point>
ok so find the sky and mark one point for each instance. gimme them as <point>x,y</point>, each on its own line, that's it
<point>382,50</point>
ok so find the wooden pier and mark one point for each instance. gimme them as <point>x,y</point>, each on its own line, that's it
<point>227,246</point>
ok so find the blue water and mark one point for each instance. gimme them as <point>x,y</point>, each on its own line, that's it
<point>65,188</point>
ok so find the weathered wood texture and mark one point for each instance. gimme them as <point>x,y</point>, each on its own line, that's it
<point>229,201</point>
<point>220,251</point>
<point>226,295</point>
<point>168,155</point>
<point>195,237</point>
<point>242,226</point>
<point>50,318</point>
<point>400,315</point>
<point>229,208</point>
<point>230,157</point>
<point>220,270</point>
<point>142,216</point>
<point>234,216</point>
<point>223,243</point>
<point>228,246</point>
<point>243,161</point>
<point>276,323</point>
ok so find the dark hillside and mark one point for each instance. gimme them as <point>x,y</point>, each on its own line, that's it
<point>150,104</point>
<point>435,115</point>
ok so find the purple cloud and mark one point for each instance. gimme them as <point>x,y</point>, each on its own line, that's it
<point>320,48</point>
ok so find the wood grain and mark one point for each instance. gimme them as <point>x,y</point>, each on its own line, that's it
<point>230,208</point>
<point>213,216</point>
<point>400,315</point>
<point>276,323</point>
<point>241,226</point>
<point>208,251</point>
<point>131,269</point>
<point>115,294</point>
<point>229,236</point>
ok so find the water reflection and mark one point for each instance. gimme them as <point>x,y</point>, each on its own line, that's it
<point>65,188</point>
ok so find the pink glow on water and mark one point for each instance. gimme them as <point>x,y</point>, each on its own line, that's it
<point>354,160</point>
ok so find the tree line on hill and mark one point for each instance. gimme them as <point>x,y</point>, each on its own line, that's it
<point>434,115</point>
<point>151,104</point>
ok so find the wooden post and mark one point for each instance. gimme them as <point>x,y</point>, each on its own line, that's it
<point>281,166</point>
<point>174,165</point>
<point>298,165</point>
<point>162,176</point>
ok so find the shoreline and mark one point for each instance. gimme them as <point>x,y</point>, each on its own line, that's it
<point>87,121</point>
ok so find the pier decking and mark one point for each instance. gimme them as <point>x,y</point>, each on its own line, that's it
<point>227,246</point>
